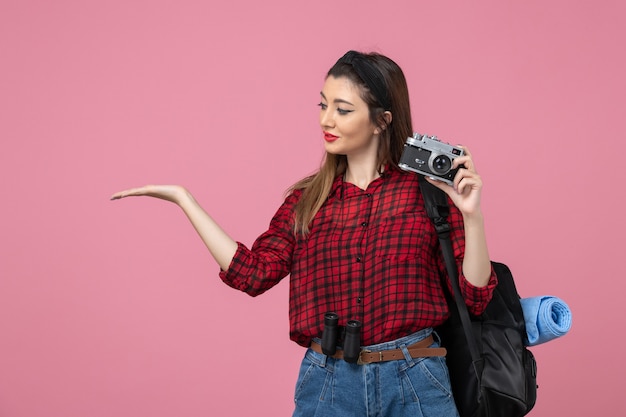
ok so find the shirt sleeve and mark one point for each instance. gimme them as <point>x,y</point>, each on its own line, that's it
<point>259,268</point>
<point>476,298</point>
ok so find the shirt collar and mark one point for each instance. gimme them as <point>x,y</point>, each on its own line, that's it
<point>336,188</point>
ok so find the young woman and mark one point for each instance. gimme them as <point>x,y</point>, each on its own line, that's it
<point>356,241</point>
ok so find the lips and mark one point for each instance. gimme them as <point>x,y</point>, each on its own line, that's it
<point>329,137</point>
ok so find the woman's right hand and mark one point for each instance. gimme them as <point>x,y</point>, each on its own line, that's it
<point>221,246</point>
<point>172,193</point>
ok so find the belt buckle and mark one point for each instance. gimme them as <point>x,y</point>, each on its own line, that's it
<point>359,361</point>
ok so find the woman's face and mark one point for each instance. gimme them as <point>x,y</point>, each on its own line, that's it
<point>345,119</point>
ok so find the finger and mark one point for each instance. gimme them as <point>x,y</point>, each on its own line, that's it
<point>465,150</point>
<point>468,183</point>
<point>464,161</point>
<point>129,193</point>
<point>119,194</point>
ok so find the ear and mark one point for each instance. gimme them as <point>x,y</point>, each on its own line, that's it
<point>384,120</point>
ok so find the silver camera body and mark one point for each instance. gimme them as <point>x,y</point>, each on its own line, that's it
<point>429,156</point>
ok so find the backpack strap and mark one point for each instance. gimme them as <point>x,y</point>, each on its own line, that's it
<point>436,202</point>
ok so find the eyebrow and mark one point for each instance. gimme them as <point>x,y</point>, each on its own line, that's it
<point>337,100</point>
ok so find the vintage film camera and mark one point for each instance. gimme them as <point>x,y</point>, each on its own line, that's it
<point>429,156</point>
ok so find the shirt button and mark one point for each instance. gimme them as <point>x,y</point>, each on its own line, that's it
<point>364,224</point>
<point>358,259</point>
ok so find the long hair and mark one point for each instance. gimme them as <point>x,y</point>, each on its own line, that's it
<point>316,188</point>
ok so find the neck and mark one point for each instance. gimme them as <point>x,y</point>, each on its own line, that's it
<point>361,176</point>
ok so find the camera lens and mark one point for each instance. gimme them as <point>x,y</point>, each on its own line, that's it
<point>441,164</point>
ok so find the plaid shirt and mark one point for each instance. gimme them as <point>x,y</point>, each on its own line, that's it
<point>371,255</point>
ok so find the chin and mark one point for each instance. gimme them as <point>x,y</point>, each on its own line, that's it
<point>331,148</point>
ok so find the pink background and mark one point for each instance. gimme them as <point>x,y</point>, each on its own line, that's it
<point>116,309</point>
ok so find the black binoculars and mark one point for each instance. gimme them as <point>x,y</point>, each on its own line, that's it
<point>351,337</point>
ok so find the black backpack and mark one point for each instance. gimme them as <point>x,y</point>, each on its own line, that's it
<point>492,373</point>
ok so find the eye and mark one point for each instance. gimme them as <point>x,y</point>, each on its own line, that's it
<point>343,111</point>
<point>323,106</point>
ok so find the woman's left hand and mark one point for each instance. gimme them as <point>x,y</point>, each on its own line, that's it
<point>467,185</point>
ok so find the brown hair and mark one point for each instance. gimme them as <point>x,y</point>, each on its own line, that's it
<point>316,188</point>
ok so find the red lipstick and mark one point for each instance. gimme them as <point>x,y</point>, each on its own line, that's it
<point>329,137</point>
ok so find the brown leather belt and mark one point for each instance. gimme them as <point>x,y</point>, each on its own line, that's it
<point>416,350</point>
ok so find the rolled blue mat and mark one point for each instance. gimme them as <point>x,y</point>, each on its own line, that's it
<point>546,318</point>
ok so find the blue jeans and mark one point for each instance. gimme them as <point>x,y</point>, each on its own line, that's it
<point>419,387</point>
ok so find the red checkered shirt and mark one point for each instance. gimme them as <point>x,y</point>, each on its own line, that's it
<point>371,255</point>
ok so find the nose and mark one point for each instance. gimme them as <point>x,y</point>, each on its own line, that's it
<point>326,118</point>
